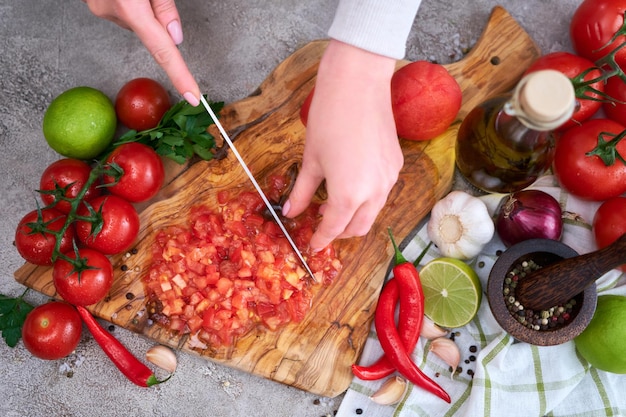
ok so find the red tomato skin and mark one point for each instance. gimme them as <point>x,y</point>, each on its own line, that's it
<point>141,103</point>
<point>425,100</point>
<point>37,248</point>
<point>592,26</point>
<point>52,331</point>
<point>585,176</point>
<point>572,66</point>
<point>91,286</point>
<point>68,172</point>
<point>616,88</point>
<point>306,105</point>
<point>609,222</point>
<point>144,172</point>
<point>120,225</point>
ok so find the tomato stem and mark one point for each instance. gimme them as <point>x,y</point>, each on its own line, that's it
<point>606,150</point>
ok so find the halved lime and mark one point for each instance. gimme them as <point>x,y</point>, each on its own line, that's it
<point>452,292</point>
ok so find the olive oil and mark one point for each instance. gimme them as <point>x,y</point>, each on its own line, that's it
<point>506,142</point>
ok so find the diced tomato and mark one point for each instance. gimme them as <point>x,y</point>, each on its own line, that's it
<point>232,269</point>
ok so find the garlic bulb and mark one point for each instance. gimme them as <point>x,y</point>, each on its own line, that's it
<point>460,225</point>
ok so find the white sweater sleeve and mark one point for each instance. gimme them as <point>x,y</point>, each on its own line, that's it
<point>379,26</point>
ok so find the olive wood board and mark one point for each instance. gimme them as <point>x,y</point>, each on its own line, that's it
<point>314,355</point>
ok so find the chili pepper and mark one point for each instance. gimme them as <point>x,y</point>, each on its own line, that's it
<point>411,298</point>
<point>394,350</point>
<point>125,361</point>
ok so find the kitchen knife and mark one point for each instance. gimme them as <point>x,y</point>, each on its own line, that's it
<point>256,186</point>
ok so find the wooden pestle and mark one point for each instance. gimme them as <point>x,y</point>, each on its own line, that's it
<point>557,283</point>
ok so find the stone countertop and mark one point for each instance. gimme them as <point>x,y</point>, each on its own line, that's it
<point>50,46</point>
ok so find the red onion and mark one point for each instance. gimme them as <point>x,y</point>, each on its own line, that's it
<point>529,214</point>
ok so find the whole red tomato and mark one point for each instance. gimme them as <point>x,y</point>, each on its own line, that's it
<point>65,178</point>
<point>594,24</point>
<point>143,172</point>
<point>616,88</point>
<point>33,241</point>
<point>587,176</point>
<point>88,286</point>
<point>141,103</point>
<point>119,223</point>
<point>425,100</point>
<point>52,330</point>
<point>609,222</point>
<point>573,67</point>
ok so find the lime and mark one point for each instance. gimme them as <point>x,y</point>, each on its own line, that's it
<point>80,123</point>
<point>602,343</point>
<point>452,292</point>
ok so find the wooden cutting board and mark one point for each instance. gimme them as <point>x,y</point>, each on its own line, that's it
<point>314,355</point>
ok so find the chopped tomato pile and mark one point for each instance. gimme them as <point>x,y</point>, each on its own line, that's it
<point>232,269</point>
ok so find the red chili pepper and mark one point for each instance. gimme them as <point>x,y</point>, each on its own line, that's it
<point>394,349</point>
<point>411,297</point>
<point>125,361</point>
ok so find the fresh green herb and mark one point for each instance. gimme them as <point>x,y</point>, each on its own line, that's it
<point>13,312</point>
<point>181,133</point>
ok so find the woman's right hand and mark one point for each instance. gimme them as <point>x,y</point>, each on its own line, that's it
<point>157,24</point>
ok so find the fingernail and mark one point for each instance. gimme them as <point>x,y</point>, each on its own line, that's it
<point>286,208</point>
<point>175,31</point>
<point>191,99</point>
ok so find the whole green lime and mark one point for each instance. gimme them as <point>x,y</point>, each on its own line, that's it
<point>603,342</point>
<point>80,123</point>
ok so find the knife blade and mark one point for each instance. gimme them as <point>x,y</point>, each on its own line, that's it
<point>256,185</point>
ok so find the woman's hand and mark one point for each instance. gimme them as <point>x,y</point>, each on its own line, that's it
<point>157,24</point>
<point>351,142</point>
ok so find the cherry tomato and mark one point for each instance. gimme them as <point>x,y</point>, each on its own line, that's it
<point>573,66</point>
<point>609,222</point>
<point>593,25</point>
<point>52,330</point>
<point>425,100</point>
<point>141,103</point>
<point>143,172</point>
<point>88,286</point>
<point>34,243</point>
<point>585,176</point>
<point>616,88</point>
<point>65,178</point>
<point>120,225</point>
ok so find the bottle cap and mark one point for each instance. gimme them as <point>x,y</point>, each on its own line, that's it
<point>543,100</point>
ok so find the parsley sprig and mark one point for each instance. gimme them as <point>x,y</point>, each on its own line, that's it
<point>13,312</point>
<point>181,133</point>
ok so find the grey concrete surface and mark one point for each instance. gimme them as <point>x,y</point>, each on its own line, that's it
<point>49,46</point>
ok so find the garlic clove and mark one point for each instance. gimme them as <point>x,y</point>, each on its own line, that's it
<point>391,391</point>
<point>447,350</point>
<point>430,330</point>
<point>163,357</point>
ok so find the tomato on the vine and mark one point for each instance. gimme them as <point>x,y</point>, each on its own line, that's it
<point>119,224</point>
<point>143,172</point>
<point>141,103</point>
<point>52,330</point>
<point>594,24</point>
<point>573,66</point>
<point>64,179</point>
<point>33,239</point>
<point>87,286</point>
<point>609,222</point>
<point>616,88</point>
<point>587,176</point>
